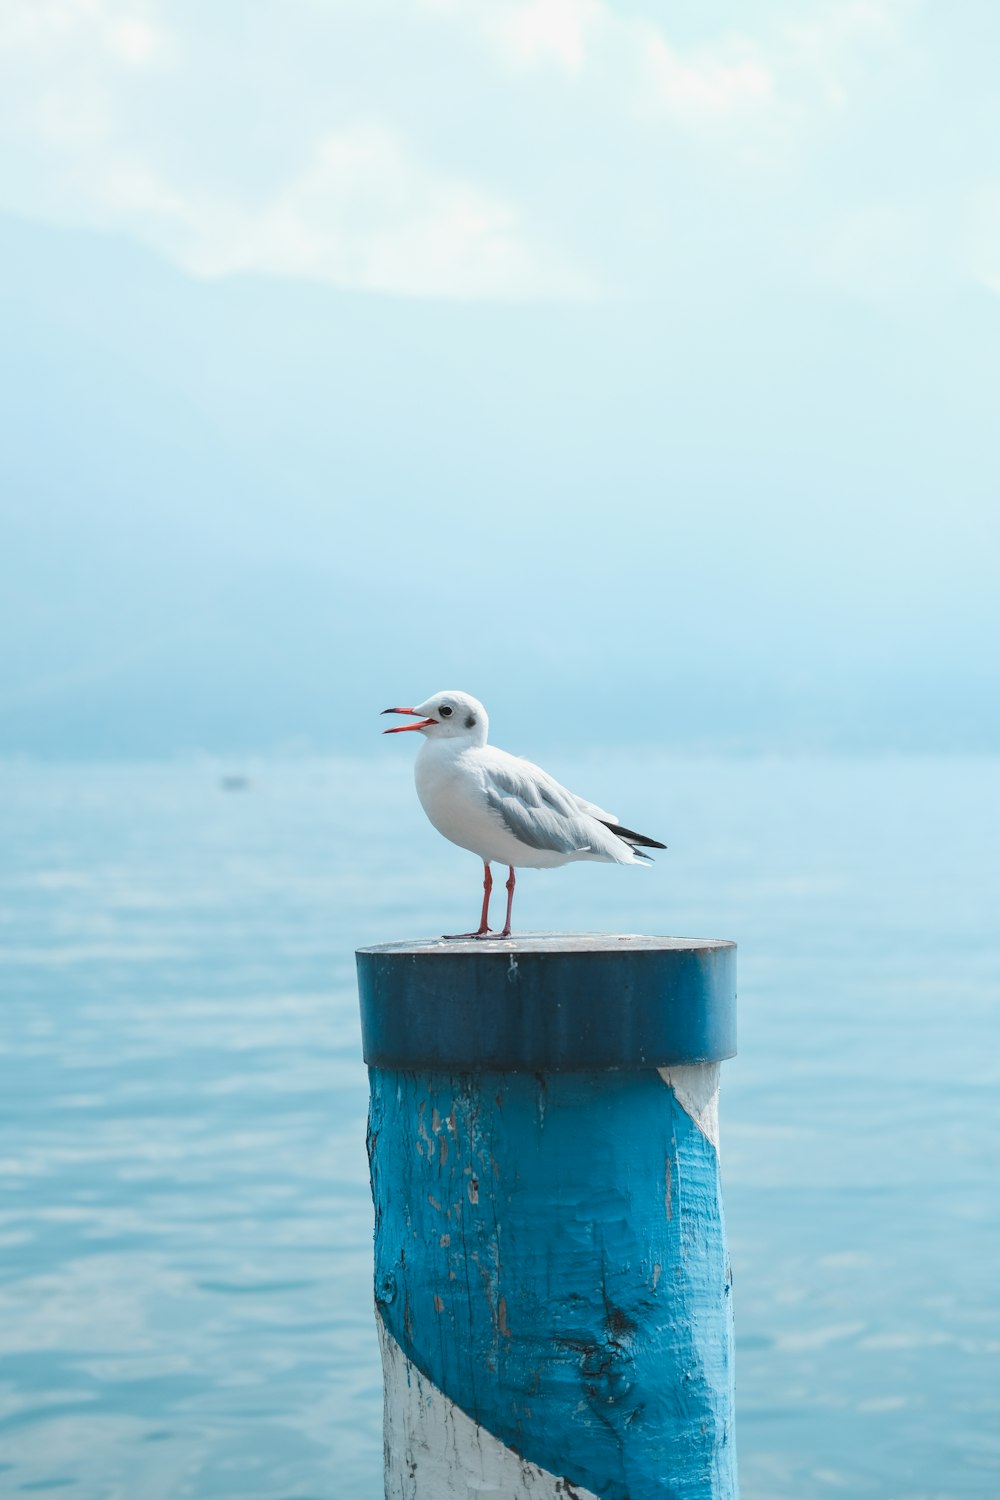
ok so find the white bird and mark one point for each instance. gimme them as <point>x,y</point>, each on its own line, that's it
<point>501,807</point>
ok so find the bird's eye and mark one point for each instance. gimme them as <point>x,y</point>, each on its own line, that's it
<point>445,711</point>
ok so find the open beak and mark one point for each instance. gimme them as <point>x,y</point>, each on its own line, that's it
<point>402,728</point>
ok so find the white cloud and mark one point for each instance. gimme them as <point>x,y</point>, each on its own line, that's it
<point>138,43</point>
<point>626,58</point>
<point>830,50</point>
<point>699,89</point>
<point>62,64</point>
<point>125,30</point>
<point>358,206</point>
<point>475,148</point>
<point>549,31</point>
<point>363,212</point>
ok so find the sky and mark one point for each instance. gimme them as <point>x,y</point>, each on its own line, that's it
<point>630,367</point>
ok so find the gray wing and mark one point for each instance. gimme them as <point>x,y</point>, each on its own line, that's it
<point>537,810</point>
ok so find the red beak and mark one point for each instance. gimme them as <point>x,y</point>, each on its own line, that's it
<point>402,728</point>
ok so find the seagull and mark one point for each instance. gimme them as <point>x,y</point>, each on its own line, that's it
<point>503,808</point>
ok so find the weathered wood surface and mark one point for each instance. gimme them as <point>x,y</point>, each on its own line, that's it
<point>432,1449</point>
<point>551,1279</point>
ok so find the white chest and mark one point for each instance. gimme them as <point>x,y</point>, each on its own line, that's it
<point>452,791</point>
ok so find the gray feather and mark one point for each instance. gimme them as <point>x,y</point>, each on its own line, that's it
<point>533,786</point>
<point>538,826</point>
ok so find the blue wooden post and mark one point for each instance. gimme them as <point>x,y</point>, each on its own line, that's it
<point>551,1278</point>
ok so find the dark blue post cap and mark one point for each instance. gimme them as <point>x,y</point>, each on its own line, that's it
<point>568,1002</point>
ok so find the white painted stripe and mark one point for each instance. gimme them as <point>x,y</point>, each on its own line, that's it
<point>434,1451</point>
<point>696,1086</point>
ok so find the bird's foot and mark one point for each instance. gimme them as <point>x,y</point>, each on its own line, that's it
<point>457,937</point>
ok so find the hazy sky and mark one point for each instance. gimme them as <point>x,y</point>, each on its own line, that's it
<point>360,349</point>
<point>517,149</point>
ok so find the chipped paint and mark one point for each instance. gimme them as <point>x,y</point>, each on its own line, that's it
<point>434,1451</point>
<point>576,1318</point>
<point>696,1087</point>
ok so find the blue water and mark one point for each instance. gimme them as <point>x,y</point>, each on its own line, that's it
<point>185,1225</point>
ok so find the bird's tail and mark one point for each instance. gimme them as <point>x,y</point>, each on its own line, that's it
<point>637,842</point>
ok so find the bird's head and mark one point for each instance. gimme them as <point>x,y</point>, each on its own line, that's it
<point>446,716</point>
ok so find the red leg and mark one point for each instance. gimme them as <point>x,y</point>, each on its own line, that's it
<point>510,901</point>
<point>484,930</point>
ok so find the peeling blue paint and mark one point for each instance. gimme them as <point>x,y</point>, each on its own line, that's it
<point>550,1252</point>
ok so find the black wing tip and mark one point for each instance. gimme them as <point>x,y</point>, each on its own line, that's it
<point>629,836</point>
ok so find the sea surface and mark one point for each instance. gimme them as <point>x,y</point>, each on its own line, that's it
<point>185,1222</point>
